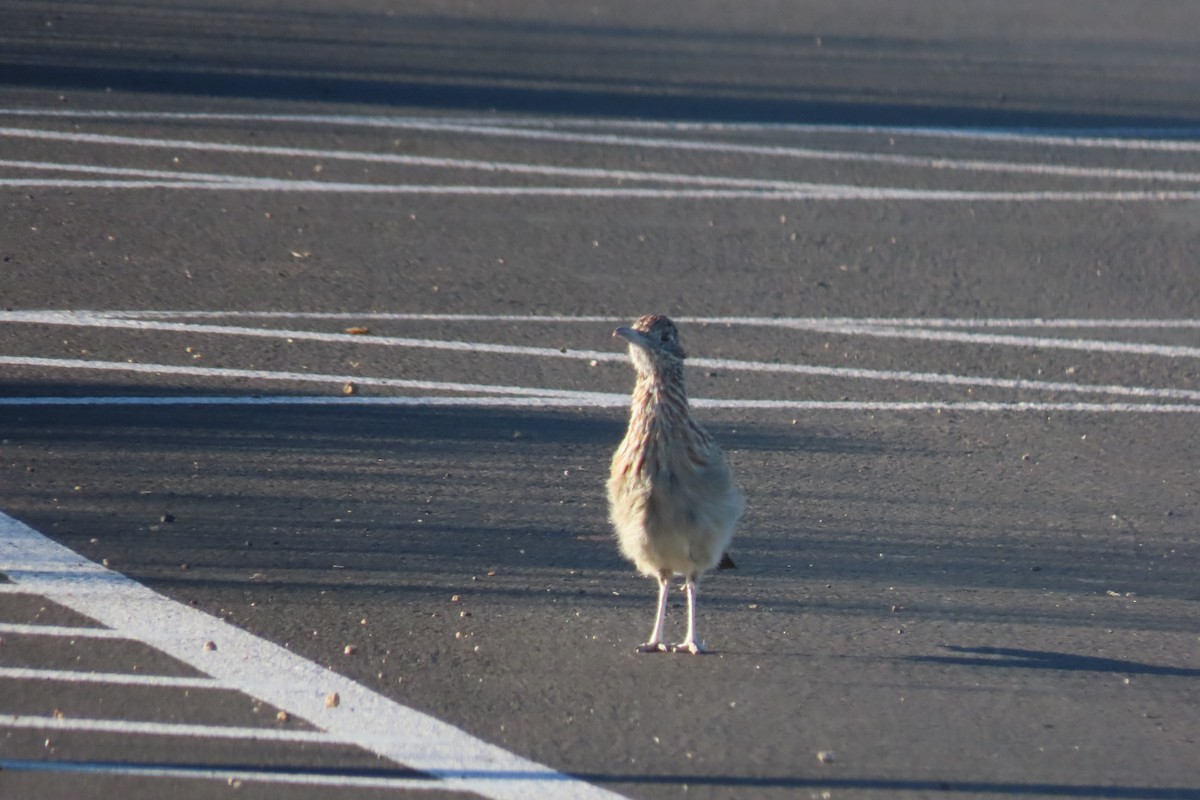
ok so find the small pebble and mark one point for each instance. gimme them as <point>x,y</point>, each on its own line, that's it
<point>332,700</point>
<point>282,716</point>
<point>826,756</point>
<point>350,649</point>
<point>210,645</point>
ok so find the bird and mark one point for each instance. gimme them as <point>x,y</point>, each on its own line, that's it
<point>672,499</point>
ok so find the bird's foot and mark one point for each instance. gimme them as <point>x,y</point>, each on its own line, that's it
<point>695,648</point>
<point>653,647</point>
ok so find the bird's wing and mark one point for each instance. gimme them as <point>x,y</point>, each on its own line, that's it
<point>705,479</point>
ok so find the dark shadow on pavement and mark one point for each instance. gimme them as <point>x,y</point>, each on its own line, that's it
<point>774,66</point>
<point>1010,657</point>
<point>1115,792</point>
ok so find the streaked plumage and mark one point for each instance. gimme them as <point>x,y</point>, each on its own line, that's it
<point>671,494</point>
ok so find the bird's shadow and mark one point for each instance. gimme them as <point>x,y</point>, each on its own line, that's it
<point>1019,658</point>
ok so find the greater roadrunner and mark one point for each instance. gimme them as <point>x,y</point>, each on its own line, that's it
<point>671,495</point>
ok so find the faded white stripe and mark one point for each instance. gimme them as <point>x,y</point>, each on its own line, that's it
<point>564,402</point>
<point>1143,138</point>
<point>831,193</point>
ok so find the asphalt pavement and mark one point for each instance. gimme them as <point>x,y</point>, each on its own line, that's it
<point>305,320</point>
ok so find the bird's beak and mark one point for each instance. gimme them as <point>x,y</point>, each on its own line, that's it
<point>631,336</point>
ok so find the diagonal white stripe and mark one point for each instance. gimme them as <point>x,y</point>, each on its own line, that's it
<point>268,672</point>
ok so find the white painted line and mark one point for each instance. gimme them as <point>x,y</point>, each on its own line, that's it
<point>937,322</point>
<point>810,153</point>
<point>831,193</point>
<point>1145,138</point>
<point>598,399</point>
<point>233,373</point>
<point>75,319</point>
<point>133,727</point>
<point>1088,345</point>
<point>292,776</point>
<point>954,406</point>
<point>87,320</point>
<point>275,675</point>
<point>62,631</point>
<point>536,396</point>
<point>318,400</point>
<point>734,188</point>
<point>564,402</point>
<point>918,322</point>
<point>1162,139</point>
<point>593,173</point>
<point>113,678</point>
<point>56,166</point>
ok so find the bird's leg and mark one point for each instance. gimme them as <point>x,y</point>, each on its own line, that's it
<point>656,643</point>
<point>689,644</point>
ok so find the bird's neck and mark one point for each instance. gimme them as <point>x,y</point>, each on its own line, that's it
<point>659,411</point>
<point>661,390</point>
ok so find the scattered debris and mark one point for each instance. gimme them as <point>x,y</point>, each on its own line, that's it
<point>358,330</point>
<point>210,645</point>
<point>826,756</point>
<point>282,716</point>
<point>350,649</point>
<point>332,700</point>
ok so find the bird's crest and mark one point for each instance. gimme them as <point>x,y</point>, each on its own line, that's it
<point>661,333</point>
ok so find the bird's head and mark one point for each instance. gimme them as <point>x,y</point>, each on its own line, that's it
<point>653,343</point>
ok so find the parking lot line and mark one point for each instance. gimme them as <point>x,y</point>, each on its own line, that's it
<point>241,661</point>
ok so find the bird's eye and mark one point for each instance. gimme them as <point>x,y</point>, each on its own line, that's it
<point>666,336</point>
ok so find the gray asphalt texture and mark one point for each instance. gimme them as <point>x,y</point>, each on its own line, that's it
<point>956,604</point>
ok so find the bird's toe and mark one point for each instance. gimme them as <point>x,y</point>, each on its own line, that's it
<point>695,648</point>
<point>652,647</point>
